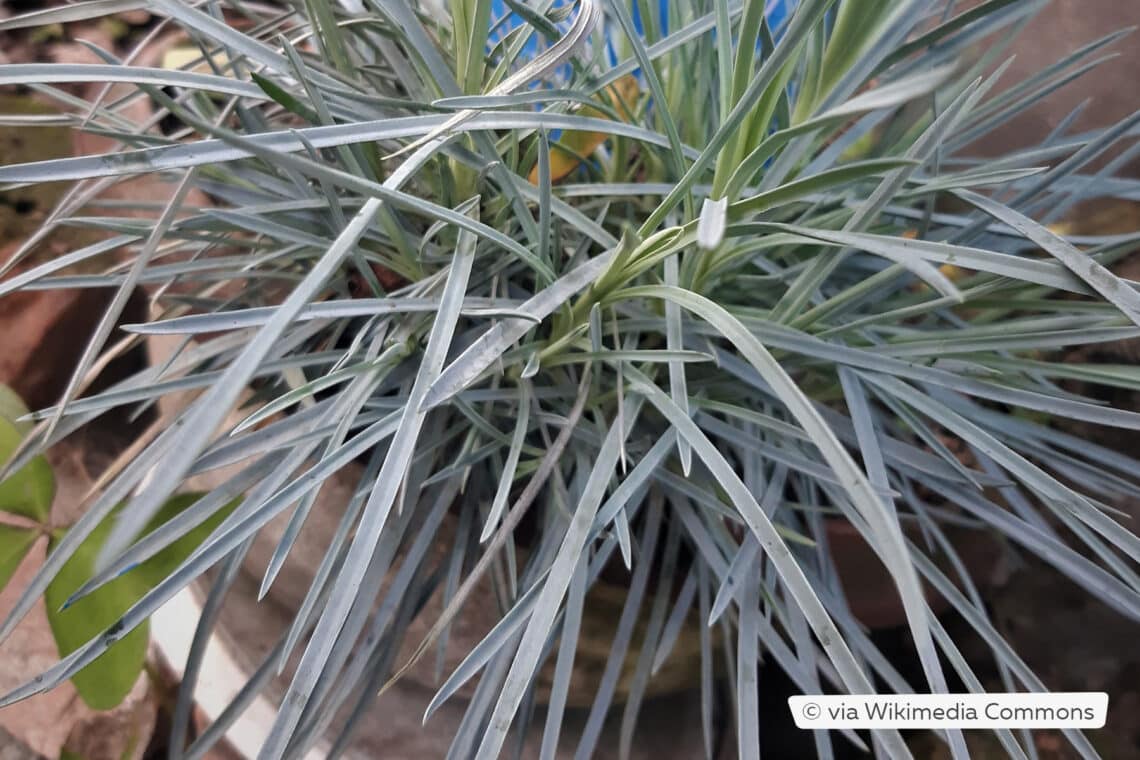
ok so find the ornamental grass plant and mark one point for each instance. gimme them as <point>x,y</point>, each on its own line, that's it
<point>675,288</point>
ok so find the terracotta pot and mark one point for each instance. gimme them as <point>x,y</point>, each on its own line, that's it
<point>873,596</point>
<point>248,629</point>
<point>41,331</point>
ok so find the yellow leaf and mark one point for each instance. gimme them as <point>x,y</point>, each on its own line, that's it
<point>576,145</point>
<point>184,57</point>
<point>949,270</point>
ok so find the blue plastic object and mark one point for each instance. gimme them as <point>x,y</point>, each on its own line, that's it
<point>503,20</point>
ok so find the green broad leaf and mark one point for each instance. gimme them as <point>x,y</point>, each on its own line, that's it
<point>162,564</point>
<point>106,682</point>
<point>12,408</point>
<point>29,491</point>
<point>14,546</point>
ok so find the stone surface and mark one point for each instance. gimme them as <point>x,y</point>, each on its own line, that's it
<point>1063,27</point>
<point>11,748</point>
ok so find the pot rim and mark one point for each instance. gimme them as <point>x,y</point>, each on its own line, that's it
<point>220,678</point>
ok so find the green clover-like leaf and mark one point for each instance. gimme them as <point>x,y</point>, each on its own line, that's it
<point>12,408</point>
<point>14,546</point>
<point>106,682</point>
<point>28,491</point>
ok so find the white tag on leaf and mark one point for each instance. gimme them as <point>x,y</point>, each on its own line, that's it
<point>710,226</point>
